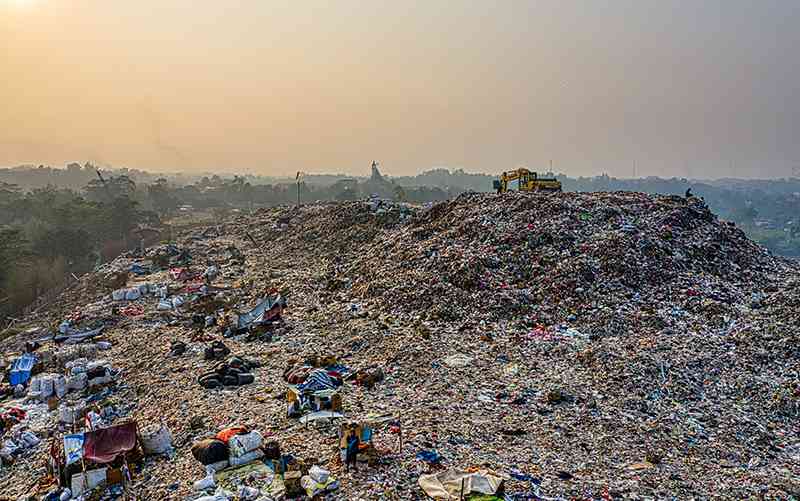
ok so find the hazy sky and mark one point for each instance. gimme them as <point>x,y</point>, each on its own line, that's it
<point>678,87</point>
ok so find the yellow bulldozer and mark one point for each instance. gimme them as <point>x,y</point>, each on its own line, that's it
<point>526,181</point>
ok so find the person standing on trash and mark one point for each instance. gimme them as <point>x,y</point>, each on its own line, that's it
<point>689,192</point>
<point>352,451</point>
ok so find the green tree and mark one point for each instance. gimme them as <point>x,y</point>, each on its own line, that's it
<point>399,194</point>
<point>123,216</point>
<point>14,257</point>
<point>9,192</point>
<point>108,190</point>
<point>745,214</point>
<point>161,197</point>
<point>72,243</point>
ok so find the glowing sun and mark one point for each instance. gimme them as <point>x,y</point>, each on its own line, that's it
<point>19,3</point>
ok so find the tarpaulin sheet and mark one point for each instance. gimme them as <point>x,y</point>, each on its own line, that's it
<point>102,446</point>
<point>266,310</point>
<point>447,485</point>
<point>74,335</point>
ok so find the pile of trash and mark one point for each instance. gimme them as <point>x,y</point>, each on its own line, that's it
<point>69,411</point>
<point>314,389</point>
<point>575,258</point>
<point>240,465</point>
<point>493,347</point>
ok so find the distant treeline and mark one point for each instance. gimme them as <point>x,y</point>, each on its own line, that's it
<point>48,234</point>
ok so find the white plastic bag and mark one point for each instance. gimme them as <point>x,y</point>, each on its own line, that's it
<point>204,483</point>
<point>321,475</point>
<point>246,458</point>
<point>46,386</point>
<point>156,440</point>
<point>77,382</point>
<point>242,444</point>
<point>60,386</point>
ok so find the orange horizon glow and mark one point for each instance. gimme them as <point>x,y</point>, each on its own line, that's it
<point>275,87</point>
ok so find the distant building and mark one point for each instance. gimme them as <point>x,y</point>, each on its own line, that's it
<point>376,176</point>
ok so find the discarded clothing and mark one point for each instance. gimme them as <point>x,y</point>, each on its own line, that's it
<point>210,451</point>
<point>234,372</point>
<point>317,379</point>
<point>268,309</point>
<point>138,269</point>
<point>431,457</point>
<point>104,445</point>
<point>217,351</point>
<point>228,433</point>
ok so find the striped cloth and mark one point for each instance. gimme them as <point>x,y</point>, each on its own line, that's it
<point>317,379</point>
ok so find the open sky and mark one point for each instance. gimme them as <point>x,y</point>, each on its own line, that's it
<point>705,88</point>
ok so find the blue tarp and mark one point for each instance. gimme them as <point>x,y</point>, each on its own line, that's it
<point>139,269</point>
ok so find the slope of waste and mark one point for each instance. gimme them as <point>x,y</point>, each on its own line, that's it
<point>514,346</point>
<point>543,257</point>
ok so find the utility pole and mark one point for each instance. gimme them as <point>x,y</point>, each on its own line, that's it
<point>297,178</point>
<point>105,185</point>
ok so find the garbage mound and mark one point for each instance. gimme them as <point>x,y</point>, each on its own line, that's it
<point>544,257</point>
<point>514,346</point>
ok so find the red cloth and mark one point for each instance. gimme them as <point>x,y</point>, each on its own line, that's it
<point>274,312</point>
<point>103,446</point>
<point>132,310</point>
<point>193,287</point>
<point>228,433</point>
<point>177,273</point>
<point>16,413</point>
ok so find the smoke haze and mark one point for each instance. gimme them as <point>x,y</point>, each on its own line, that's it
<point>701,89</point>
